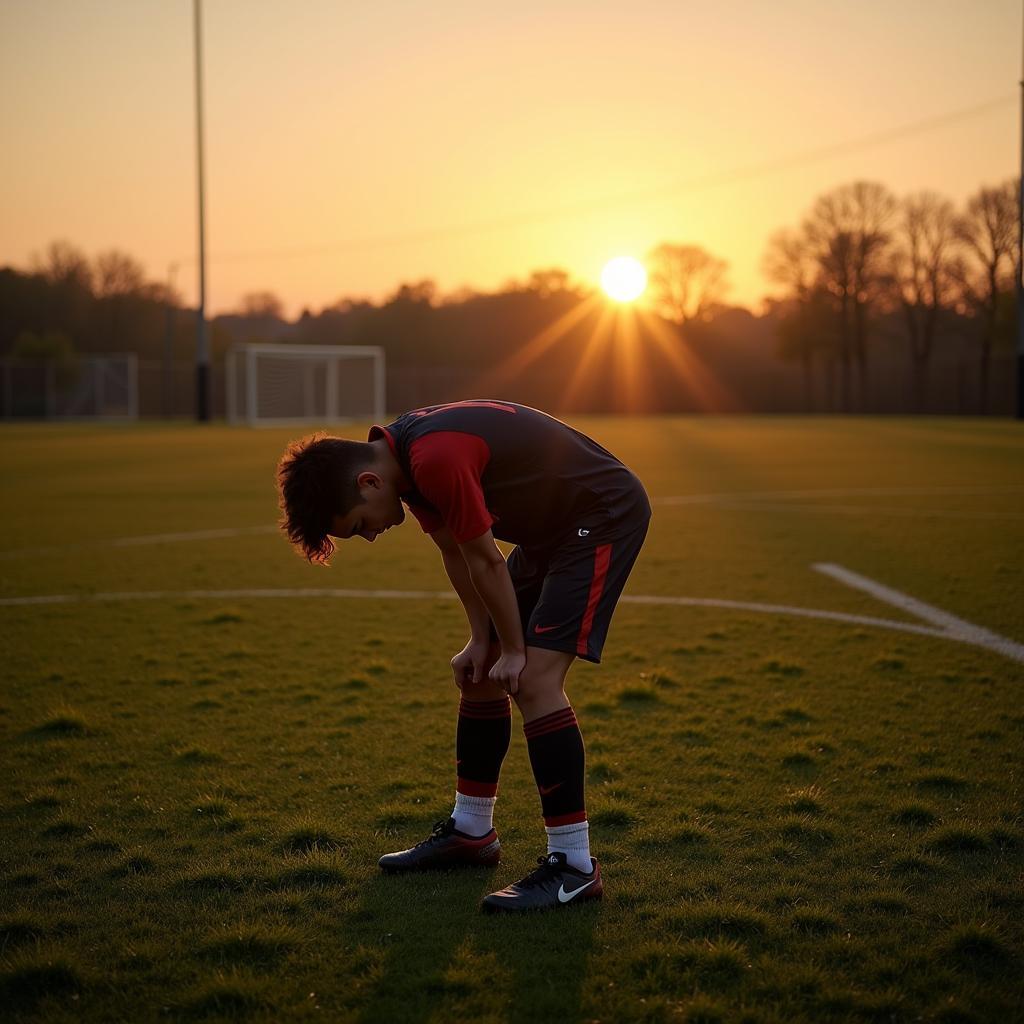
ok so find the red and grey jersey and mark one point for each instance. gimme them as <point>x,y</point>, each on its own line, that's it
<point>487,464</point>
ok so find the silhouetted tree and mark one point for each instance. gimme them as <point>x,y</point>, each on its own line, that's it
<point>922,270</point>
<point>66,270</point>
<point>119,285</point>
<point>421,292</point>
<point>262,305</point>
<point>117,273</point>
<point>787,261</point>
<point>847,230</point>
<point>549,282</point>
<point>988,231</point>
<point>686,281</point>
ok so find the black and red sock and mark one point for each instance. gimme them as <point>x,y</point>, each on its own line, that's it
<point>556,752</point>
<point>481,742</point>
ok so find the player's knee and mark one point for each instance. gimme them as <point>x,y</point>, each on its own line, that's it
<point>538,683</point>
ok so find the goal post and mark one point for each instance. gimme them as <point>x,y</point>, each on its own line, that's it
<point>83,387</point>
<point>279,385</point>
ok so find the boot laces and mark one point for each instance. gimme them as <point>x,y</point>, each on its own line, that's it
<point>548,866</point>
<point>441,830</point>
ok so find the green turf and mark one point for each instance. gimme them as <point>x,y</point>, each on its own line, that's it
<point>798,820</point>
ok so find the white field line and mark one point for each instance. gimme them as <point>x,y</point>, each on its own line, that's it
<point>860,510</point>
<point>944,626</point>
<point>737,499</point>
<point>446,595</point>
<point>949,625</point>
<point>148,538</point>
<point>845,492</point>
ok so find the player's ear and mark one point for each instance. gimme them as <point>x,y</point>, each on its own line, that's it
<point>368,479</point>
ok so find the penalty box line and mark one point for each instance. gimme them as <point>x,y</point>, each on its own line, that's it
<point>945,623</point>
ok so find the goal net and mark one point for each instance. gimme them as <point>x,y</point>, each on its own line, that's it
<point>84,387</point>
<point>272,385</point>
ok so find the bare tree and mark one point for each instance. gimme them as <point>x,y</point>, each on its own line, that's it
<point>120,282</point>
<point>847,232</point>
<point>923,276</point>
<point>548,282</point>
<point>263,304</point>
<point>988,230</point>
<point>117,273</point>
<point>419,292</point>
<point>686,281</point>
<point>62,263</point>
<point>67,270</point>
<point>787,262</point>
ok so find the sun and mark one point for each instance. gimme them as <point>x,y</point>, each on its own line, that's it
<point>624,278</point>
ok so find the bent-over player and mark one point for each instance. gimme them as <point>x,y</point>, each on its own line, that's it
<point>471,472</point>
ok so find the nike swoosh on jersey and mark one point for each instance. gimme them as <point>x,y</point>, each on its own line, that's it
<point>564,897</point>
<point>543,629</point>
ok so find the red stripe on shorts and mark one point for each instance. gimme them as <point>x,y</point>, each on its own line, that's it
<point>602,556</point>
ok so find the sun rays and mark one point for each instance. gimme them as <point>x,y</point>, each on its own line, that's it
<point>621,357</point>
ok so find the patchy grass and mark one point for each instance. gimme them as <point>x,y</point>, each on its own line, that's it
<point>797,820</point>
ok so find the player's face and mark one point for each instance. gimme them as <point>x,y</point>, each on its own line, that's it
<point>381,509</point>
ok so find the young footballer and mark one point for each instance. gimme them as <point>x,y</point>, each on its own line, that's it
<point>471,472</point>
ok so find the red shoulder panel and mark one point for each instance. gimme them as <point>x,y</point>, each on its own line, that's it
<point>446,467</point>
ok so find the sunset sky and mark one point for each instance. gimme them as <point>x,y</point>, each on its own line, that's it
<point>354,146</point>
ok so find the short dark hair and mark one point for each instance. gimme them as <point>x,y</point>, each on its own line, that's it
<point>316,481</point>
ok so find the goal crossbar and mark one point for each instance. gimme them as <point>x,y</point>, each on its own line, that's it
<point>280,385</point>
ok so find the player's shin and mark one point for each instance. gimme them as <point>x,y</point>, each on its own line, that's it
<point>482,740</point>
<point>557,756</point>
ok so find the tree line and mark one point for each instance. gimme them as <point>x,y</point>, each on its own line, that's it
<point>862,257</point>
<point>870,285</point>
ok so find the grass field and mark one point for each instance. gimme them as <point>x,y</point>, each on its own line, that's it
<point>799,818</point>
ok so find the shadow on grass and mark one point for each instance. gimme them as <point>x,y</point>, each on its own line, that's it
<point>430,951</point>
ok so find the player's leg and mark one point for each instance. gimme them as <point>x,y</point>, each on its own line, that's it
<point>485,715</point>
<point>555,745</point>
<point>481,742</point>
<point>585,578</point>
<point>482,738</point>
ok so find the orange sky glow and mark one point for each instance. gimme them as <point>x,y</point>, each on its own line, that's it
<point>353,147</point>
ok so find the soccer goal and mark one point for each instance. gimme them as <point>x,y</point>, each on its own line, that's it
<point>102,387</point>
<point>278,385</point>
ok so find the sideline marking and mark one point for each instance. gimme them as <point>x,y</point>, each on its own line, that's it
<point>944,627</point>
<point>873,510</point>
<point>844,492</point>
<point>733,499</point>
<point>148,538</point>
<point>949,625</point>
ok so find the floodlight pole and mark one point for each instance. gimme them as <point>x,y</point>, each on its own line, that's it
<point>202,346</point>
<point>1020,245</point>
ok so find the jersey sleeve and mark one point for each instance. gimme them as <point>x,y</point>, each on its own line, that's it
<point>447,467</point>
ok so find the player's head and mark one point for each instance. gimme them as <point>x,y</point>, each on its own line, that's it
<point>332,487</point>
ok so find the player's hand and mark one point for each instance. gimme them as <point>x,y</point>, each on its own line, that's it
<point>507,669</point>
<point>469,664</point>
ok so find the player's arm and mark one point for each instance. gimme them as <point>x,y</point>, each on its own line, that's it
<point>458,572</point>
<point>489,575</point>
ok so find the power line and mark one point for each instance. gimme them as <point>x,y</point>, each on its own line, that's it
<point>568,211</point>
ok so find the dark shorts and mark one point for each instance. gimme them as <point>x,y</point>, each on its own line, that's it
<point>567,591</point>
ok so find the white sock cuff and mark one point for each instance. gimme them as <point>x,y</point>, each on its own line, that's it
<point>477,804</point>
<point>572,837</point>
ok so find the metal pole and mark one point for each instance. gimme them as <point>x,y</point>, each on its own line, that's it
<point>171,316</point>
<point>202,347</point>
<point>1020,245</point>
